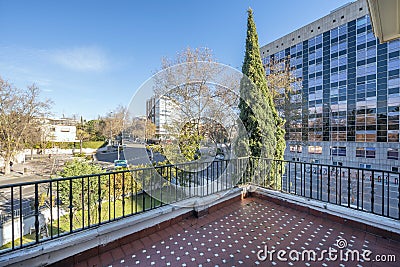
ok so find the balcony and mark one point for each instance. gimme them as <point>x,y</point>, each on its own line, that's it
<point>204,214</point>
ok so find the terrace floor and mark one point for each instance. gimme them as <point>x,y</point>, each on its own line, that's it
<point>233,235</point>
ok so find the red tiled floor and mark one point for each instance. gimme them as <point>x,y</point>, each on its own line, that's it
<point>233,235</point>
<point>117,253</point>
<point>106,258</point>
<point>82,264</point>
<point>127,248</point>
<point>94,261</point>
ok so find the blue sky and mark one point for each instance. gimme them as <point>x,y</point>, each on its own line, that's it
<point>91,56</point>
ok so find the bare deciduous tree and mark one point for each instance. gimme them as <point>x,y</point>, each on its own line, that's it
<point>202,94</point>
<point>20,111</point>
<point>136,128</point>
<point>113,123</point>
<point>150,129</point>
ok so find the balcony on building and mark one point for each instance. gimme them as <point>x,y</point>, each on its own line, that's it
<point>222,212</point>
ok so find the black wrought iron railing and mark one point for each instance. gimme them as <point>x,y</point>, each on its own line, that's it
<point>370,190</point>
<point>35,212</point>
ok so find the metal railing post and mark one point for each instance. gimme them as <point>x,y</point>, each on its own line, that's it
<point>372,191</point>
<point>311,179</point>
<point>12,217</point>
<point>70,206</point>
<point>99,198</point>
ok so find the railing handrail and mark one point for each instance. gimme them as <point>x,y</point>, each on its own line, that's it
<point>55,179</point>
<point>328,165</point>
<point>103,191</point>
<point>86,201</point>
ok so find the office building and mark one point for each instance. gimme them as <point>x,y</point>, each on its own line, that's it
<point>349,91</point>
<point>160,111</point>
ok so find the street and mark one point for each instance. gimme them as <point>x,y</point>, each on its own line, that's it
<point>134,153</point>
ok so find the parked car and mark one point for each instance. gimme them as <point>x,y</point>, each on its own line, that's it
<point>220,157</point>
<point>120,163</point>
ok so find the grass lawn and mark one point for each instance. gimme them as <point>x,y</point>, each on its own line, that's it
<point>25,240</point>
<point>93,144</point>
<point>109,212</point>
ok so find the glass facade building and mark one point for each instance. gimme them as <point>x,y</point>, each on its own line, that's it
<point>349,89</point>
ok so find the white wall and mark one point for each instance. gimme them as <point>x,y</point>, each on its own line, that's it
<point>28,223</point>
<point>61,133</point>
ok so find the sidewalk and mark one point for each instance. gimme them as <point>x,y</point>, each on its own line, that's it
<point>17,175</point>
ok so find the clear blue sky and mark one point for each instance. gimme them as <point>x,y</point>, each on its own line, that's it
<point>91,56</point>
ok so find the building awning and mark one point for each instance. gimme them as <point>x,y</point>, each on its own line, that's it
<point>385,18</point>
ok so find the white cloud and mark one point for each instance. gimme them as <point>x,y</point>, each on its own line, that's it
<point>81,59</point>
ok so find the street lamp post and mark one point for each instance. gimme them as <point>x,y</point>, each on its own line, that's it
<point>111,129</point>
<point>118,151</point>
<point>145,125</point>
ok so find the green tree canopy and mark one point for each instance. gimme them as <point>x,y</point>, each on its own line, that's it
<point>264,128</point>
<point>257,110</point>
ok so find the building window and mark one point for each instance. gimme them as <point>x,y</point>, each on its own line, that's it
<point>394,45</point>
<point>365,152</point>
<point>393,153</point>
<point>361,38</point>
<point>394,64</point>
<point>334,33</point>
<point>394,81</point>
<point>393,136</point>
<point>365,166</point>
<point>343,45</point>
<point>295,136</point>
<point>394,101</point>
<point>315,136</point>
<point>361,22</point>
<point>370,152</point>
<point>338,151</point>
<point>315,149</point>
<point>360,152</point>
<point>366,136</point>
<point>296,148</point>
<point>339,136</point>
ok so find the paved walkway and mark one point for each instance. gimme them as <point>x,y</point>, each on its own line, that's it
<point>17,174</point>
<point>34,170</point>
<point>235,234</point>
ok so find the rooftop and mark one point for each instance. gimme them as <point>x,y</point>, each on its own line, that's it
<point>234,234</point>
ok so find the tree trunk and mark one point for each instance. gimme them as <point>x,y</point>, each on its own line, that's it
<point>32,153</point>
<point>7,169</point>
<point>80,147</point>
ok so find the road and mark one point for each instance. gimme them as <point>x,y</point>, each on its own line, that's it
<point>134,153</point>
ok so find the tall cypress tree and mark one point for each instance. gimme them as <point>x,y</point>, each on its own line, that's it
<point>257,111</point>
